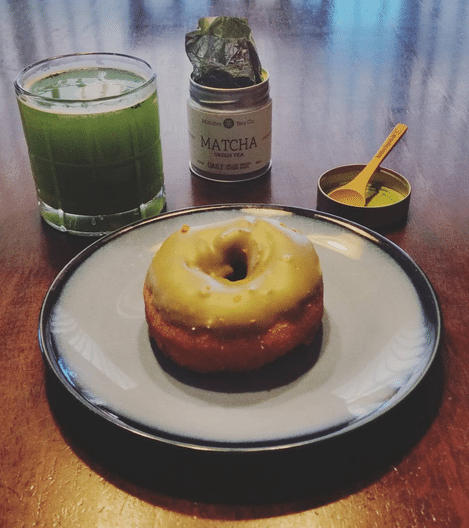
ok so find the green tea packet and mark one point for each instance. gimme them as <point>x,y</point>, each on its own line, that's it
<point>223,53</point>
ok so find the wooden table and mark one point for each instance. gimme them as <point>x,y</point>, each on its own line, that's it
<point>342,74</point>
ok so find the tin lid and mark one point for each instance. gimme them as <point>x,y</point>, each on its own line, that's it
<point>387,197</point>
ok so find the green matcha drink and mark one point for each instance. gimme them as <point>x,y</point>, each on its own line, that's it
<point>92,129</point>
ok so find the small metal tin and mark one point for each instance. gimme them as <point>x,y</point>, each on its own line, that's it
<point>230,131</point>
<point>388,197</point>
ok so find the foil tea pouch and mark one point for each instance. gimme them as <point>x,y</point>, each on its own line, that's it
<point>229,107</point>
<point>223,53</point>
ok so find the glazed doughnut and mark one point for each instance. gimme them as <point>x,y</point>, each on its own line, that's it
<point>233,296</point>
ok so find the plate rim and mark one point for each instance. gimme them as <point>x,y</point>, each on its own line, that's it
<point>391,249</point>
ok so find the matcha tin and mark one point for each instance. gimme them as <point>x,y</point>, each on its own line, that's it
<point>387,197</point>
<point>230,131</point>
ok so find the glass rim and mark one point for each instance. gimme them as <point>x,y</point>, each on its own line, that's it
<point>21,90</point>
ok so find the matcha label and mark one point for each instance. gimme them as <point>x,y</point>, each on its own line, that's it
<point>236,143</point>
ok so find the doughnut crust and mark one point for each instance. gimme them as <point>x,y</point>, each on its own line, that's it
<point>203,350</point>
<point>233,296</point>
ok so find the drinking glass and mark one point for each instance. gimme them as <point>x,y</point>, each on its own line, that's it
<point>91,124</point>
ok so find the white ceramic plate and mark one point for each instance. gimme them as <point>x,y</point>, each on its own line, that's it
<point>380,333</point>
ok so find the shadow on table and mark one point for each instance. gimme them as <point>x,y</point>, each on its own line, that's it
<point>318,474</point>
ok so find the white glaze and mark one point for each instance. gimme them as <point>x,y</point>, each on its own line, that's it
<point>188,275</point>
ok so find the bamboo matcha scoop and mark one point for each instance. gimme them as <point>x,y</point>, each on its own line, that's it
<point>353,193</point>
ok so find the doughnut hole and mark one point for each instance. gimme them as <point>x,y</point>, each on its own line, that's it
<point>237,259</point>
<point>229,258</point>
